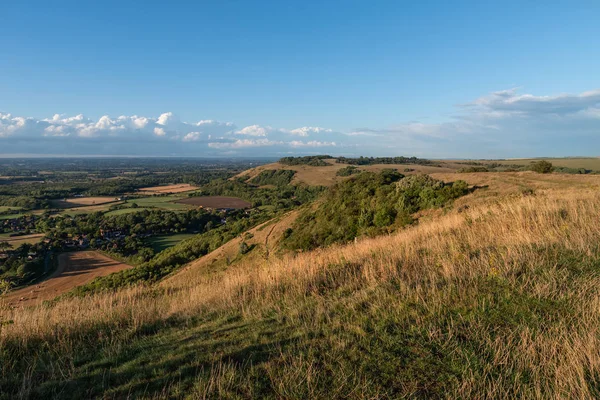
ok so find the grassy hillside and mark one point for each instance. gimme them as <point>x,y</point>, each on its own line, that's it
<point>499,300</point>
<point>333,172</point>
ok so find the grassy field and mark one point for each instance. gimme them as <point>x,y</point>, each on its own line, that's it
<point>7,208</point>
<point>215,202</point>
<point>498,300</point>
<point>180,188</point>
<point>159,243</point>
<point>83,202</point>
<point>16,241</point>
<point>591,163</point>
<point>10,216</point>
<point>163,202</point>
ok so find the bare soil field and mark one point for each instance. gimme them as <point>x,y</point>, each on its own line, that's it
<point>74,269</point>
<point>215,202</point>
<point>16,241</point>
<point>168,189</point>
<point>83,201</point>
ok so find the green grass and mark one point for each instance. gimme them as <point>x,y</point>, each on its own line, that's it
<point>8,208</point>
<point>10,216</point>
<point>125,211</point>
<point>340,340</point>
<point>159,243</point>
<point>163,202</point>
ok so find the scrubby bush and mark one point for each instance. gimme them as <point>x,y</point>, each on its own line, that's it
<point>541,167</point>
<point>313,161</point>
<point>347,171</point>
<point>473,169</point>
<point>244,248</point>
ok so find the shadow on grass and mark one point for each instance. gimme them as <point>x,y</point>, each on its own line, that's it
<point>175,357</point>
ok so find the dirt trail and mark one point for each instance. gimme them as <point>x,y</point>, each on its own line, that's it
<point>74,269</point>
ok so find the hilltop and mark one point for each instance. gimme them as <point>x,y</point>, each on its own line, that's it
<point>327,174</point>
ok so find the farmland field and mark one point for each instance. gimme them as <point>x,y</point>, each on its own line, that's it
<point>215,202</point>
<point>164,202</point>
<point>11,216</point>
<point>180,188</point>
<point>159,243</point>
<point>83,201</point>
<point>74,269</point>
<point>16,241</point>
<point>8,208</point>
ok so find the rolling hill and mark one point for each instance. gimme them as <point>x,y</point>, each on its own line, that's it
<point>495,297</point>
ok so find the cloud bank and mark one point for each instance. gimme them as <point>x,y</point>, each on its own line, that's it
<point>499,124</point>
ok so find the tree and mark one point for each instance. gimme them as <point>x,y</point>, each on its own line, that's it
<point>244,248</point>
<point>5,246</point>
<point>542,167</point>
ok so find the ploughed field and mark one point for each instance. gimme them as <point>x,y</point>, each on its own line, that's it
<point>74,269</point>
<point>215,202</point>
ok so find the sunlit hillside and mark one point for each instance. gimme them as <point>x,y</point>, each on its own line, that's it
<point>494,298</point>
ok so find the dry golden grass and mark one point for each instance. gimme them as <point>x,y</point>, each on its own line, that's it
<point>434,265</point>
<point>83,201</point>
<point>179,188</point>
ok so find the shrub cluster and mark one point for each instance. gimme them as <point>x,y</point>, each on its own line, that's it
<point>313,161</point>
<point>368,204</point>
<point>347,171</point>
<point>541,167</point>
<point>384,160</point>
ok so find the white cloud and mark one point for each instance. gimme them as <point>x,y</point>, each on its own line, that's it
<point>312,143</point>
<point>500,124</point>
<point>255,130</point>
<point>192,137</point>
<point>307,130</point>
<point>160,131</point>
<point>243,143</point>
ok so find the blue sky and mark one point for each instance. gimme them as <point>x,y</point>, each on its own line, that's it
<point>237,78</point>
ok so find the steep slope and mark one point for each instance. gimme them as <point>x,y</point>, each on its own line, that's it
<point>498,300</point>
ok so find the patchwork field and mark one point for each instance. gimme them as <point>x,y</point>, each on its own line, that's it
<point>215,202</point>
<point>180,188</point>
<point>16,241</point>
<point>74,269</point>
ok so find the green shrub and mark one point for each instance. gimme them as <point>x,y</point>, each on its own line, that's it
<point>274,177</point>
<point>368,204</point>
<point>541,167</point>
<point>347,171</point>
